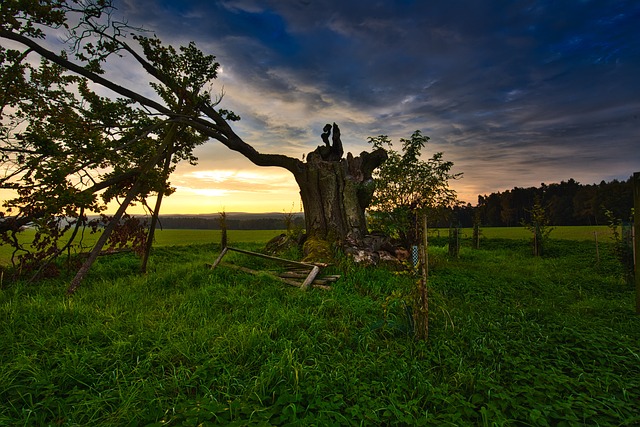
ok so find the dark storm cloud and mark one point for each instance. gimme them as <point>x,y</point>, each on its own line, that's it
<point>545,85</point>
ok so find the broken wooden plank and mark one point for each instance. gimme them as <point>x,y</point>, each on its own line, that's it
<point>309,280</point>
<point>287,281</point>
<point>217,261</point>
<point>294,275</point>
<point>319,280</point>
<point>307,271</point>
<point>272,258</point>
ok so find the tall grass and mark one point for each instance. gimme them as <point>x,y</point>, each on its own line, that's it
<point>514,341</point>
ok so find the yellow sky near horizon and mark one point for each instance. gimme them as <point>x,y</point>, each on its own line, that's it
<point>213,191</point>
<point>241,190</point>
<point>254,190</point>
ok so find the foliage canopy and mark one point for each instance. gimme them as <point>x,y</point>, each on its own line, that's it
<point>407,186</point>
<point>65,149</point>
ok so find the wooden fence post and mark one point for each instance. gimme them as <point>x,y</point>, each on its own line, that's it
<point>421,313</point>
<point>636,240</point>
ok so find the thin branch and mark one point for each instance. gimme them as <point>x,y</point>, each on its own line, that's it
<point>45,53</point>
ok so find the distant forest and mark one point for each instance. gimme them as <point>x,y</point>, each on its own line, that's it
<point>241,222</point>
<point>567,203</point>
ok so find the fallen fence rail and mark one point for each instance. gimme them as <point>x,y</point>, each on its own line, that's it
<point>304,270</point>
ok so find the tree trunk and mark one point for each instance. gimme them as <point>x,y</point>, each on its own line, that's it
<point>170,138</point>
<point>154,217</point>
<point>336,191</point>
<point>93,255</point>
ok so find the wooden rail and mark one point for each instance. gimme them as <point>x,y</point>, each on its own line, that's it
<point>310,276</point>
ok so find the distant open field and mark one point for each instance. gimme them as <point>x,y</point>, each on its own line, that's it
<point>194,237</point>
<point>168,238</point>
<point>564,232</point>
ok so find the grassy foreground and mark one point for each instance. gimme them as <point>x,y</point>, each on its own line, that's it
<point>514,341</point>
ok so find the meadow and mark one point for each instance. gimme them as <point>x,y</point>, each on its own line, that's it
<point>514,340</point>
<point>162,238</point>
<point>170,237</point>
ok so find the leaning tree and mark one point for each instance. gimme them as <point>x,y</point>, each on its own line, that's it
<point>66,150</point>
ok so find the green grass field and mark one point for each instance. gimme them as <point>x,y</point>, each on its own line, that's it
<point>166,238</point>
<point>563,233</point>
<point>514,340</point>
<point>191,237</point>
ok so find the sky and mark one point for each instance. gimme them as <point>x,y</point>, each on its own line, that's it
<point>515,93</point>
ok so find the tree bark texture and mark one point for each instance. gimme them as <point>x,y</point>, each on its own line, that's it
<point>336,191</point>
<point>170,138</point>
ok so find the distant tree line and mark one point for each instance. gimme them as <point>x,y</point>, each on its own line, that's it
<point>203,223</point>
<point>566,203</point>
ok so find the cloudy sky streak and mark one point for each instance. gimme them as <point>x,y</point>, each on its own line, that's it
<point>514,93</point>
